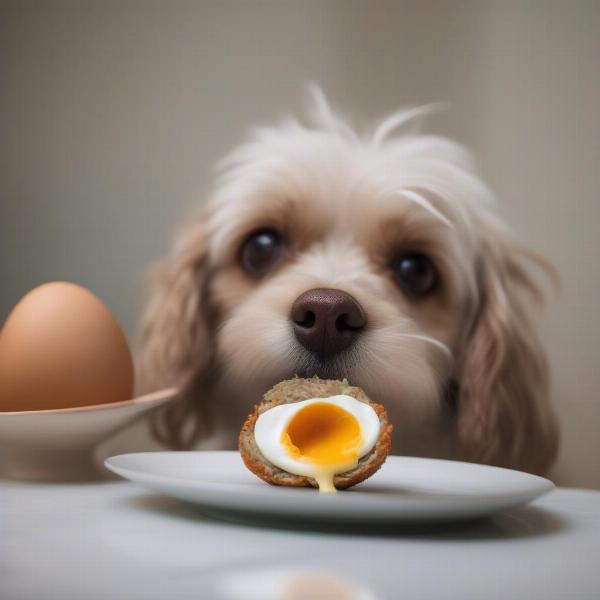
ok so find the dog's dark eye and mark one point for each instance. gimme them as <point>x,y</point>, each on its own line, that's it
<point>415,274</point>
<point>261,251</point>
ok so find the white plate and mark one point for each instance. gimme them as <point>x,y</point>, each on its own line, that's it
<point>405,489</point>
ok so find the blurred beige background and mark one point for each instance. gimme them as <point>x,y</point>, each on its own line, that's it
<point>113,113</point>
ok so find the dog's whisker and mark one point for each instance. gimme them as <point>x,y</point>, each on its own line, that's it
<point>437,343</point>
<point>400,118</point>
<point>424,203</point>
<point>324,116</point>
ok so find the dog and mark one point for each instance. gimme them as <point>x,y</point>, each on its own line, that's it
<point>379,258</point>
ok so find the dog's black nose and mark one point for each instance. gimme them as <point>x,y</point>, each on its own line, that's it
<point>326,321</point>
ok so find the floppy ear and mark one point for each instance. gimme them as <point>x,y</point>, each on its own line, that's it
<point>504,415</point>
<point>174,347</point>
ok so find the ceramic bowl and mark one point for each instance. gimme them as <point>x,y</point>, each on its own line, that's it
<point>58,445</point>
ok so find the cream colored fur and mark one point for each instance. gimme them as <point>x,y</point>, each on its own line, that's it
<point>462,374</point>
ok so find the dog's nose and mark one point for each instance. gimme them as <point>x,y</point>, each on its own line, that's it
<point>326,321</point>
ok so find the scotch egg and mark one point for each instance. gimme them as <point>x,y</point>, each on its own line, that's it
<point>315,432</point>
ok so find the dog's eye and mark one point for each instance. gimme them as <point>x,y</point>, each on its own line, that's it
<point>415,274</point>
<point>261,251</point>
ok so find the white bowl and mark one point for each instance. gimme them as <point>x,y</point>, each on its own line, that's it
<point>57,445</point>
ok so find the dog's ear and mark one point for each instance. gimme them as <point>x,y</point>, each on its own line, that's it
<point>504,415</point>
<point>173,344</point>
<point>173,337</point>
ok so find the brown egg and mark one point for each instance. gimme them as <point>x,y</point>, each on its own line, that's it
<point>62,348</point>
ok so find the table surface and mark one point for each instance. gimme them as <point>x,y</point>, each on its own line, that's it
<point>116,540</point>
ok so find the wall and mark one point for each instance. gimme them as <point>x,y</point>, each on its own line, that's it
<point>112,115</point>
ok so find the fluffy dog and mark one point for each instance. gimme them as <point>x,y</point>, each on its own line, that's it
<point>378,258</point>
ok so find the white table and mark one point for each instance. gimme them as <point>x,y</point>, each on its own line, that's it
<point>115,540</point>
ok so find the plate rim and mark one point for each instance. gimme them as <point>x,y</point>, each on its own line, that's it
<point>545,485</point>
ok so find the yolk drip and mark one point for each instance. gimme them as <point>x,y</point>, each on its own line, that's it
<point>325,436</point>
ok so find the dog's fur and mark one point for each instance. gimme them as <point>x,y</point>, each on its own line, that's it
<point>461,373</point>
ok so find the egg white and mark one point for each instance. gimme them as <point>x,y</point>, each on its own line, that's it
<point>271,424</point>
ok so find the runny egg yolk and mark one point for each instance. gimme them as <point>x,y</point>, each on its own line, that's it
<point>326,436</point>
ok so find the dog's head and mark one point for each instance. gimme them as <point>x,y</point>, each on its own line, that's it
<point>379,259</point>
